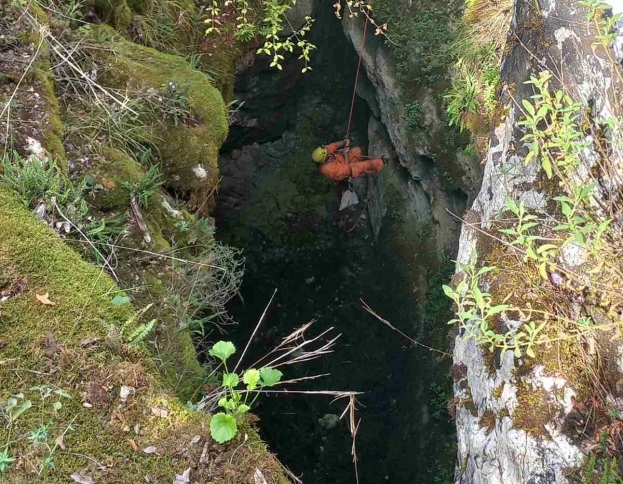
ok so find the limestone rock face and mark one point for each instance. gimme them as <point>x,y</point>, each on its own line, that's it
<point>553,38</point>
<point>297,14</point>
<point>412,147</point>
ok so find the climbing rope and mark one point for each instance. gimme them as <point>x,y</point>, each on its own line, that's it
<point>352,104</point>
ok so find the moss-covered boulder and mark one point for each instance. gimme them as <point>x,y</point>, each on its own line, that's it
<point>115,174</point>
<point>188,150</point>
<point>78,401</point>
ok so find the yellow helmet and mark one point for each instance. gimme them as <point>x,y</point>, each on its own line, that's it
<point>320,154</point>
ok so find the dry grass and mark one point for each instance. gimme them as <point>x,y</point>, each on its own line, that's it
<point>490,20</point>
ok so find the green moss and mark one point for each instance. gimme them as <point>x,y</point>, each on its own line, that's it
<point>42,80</point>
<point>43,345</point>
<point>123,16</point>
<point>52,133</point>
<point>182,149</point>
<point>113,173</point>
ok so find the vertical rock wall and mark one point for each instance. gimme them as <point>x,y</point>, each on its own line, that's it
<point>428,201</point>
<point>493,448</point>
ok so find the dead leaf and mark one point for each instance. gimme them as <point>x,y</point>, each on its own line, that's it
<point>196,439</point>
<point>80,479</point>
<point>259,478</point>
<point>45,299</point>
<point>2,345</point>
<point>150,450</point>
<point>119,416</point>
<point>133,445</point>
<point>182,479</point>
<point>60,441</point>
<point>89,342</point>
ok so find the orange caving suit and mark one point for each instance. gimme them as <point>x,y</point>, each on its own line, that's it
<point>336,168</point>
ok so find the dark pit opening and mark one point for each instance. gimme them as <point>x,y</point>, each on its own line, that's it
<point>273,204</point>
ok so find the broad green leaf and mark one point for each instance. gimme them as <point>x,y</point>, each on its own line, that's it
<point>448,291</point>
<point>57,406</point>
<point>478,297</point>
<point>120,300</point>
<point>497,309</point>
<point>543,270</point>
<point>529,225</point>
<point>21,409</point>
<point>510,203</point>
<point>62,393</point>
<point>529,107</point>
<point>517,353</point>
<point>223,427</point>
<point>530,252</point>
<point>243,409</point>
<point>230,380</point>
<point>546,247</point>
<point>270,376</point>
<point>484,270</point>
<point>251,378</point>
<point>530,352</point>
<point>223,350</point>
<point>547,166</point>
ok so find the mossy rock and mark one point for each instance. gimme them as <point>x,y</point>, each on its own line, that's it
<point>120,414</point>
<point>188,153</point>
<point>52,124</point>
<point>114,172</point>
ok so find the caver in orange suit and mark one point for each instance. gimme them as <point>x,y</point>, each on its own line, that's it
<point>337,168</point>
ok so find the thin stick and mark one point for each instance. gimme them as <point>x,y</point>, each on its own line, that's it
<point>291,474</point>
<point>163,256</point>
<point>331,393</point>
<point>388,324</point>
<point>209,194</point>
<point>257,326</point>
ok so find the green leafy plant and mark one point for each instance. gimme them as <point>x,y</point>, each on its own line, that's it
<point>5,460</point>
<point>130,332</point>
<point>520,235</point>
<point>172,105</point>
<point>462,99</point>
<point>476,314</point>
<point>266,20</point>
<point>552,122</point>
<point>147,186</point>
<point>236,402</point>
<point>580,226</point>
<point>37,181</point>
<point>605,26</point>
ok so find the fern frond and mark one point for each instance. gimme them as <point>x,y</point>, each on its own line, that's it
<point>140,333</point>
